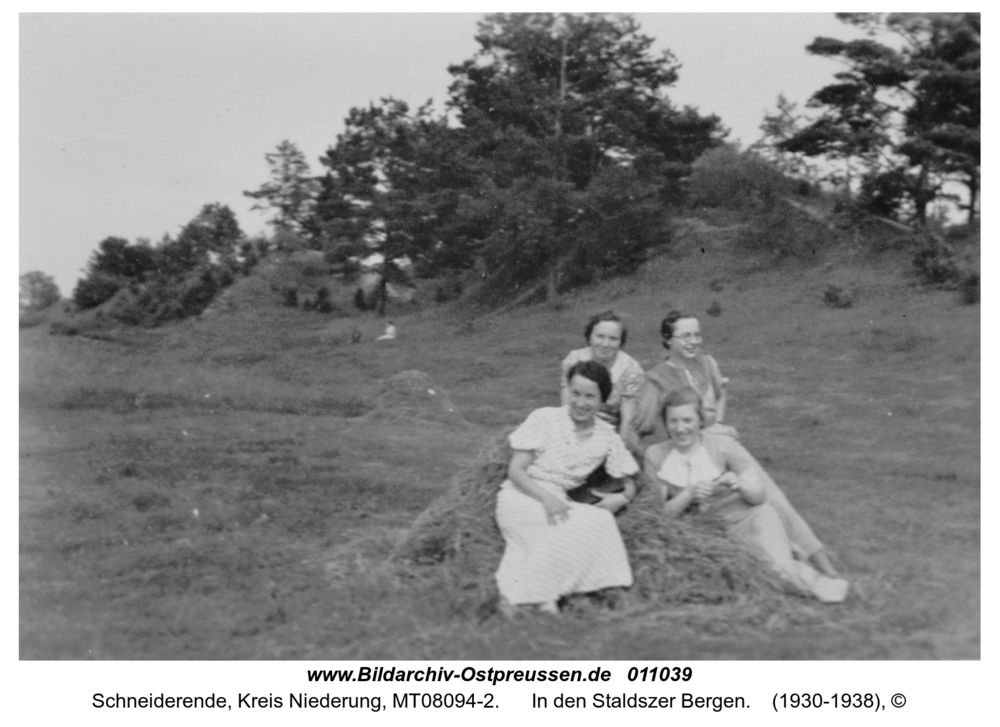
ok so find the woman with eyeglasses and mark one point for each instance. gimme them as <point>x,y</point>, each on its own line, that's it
<point>688,367</point>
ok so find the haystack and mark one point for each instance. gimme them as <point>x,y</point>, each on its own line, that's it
<point>413,394</point>
<point>677,563</point>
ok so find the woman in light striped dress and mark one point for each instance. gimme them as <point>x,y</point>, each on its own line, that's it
<point>555,546</point>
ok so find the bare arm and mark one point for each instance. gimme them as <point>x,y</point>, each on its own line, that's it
<point>680,502</point>
<point>672,506</point>
<point>615,501</point>
<point>647,407</point>
<point>723,384</point>
<point>741,475</point>
<point>517,472</point>
<point>627,428</point>
<point>720,406</point>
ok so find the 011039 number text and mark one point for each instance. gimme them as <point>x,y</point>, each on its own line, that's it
<point>660,674</point>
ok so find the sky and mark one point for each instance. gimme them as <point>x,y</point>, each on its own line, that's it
<point>130,123</point>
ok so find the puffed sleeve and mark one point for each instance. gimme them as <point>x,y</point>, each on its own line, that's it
<point>631,380</point>
<point>534,431</point>
<point>619,462</point>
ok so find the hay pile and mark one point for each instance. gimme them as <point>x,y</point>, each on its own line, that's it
<point>676,563</point>
<point>412,394</point>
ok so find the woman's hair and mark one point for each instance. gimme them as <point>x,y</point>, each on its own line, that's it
<point>608,315</point>
<point>594,371</point>
<point>667,327</point>
<point>682,397</point>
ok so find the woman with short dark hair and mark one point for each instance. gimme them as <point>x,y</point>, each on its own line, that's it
<point>605,334</point>
<point>555,546</point>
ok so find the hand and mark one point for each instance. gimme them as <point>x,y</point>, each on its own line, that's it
<point>719,428</point>
<point>556,510</point>
<point>729,479</point>
<point>703,490</point>
<point>610,501</point>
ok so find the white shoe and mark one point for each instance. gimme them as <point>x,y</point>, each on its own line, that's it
<point>830,590</point>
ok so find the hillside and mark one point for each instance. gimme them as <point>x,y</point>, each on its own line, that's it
<point>226,487</point>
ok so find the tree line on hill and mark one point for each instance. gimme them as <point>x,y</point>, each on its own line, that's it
<point>560,159</point>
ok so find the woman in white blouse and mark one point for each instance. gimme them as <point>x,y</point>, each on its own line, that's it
<point>554,546</point>
<point>714,472</point>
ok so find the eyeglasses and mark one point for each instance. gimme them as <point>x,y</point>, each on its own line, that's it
<point>689,337</point>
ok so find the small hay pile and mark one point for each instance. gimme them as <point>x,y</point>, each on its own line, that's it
<point>412,394</point>
<point>677,564</point>
<point>456,537</point>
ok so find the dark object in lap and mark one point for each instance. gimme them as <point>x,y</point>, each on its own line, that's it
<point>598,480</point>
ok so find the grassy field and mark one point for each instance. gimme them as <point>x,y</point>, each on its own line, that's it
<point>229,487</point>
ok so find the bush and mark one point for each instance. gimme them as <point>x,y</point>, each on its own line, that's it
<point>950,261</point>
<point>31,318</point>
<point>836,296</point>
<point>725,177</point>
<point>323,302</point>
<point>361,301</point>
<point>95,289</point>
<point>250,257</point>
<point>937,261</point>
<point>450,289</point>
<point>59,328</point>
<point>968,288</point>
<point>38,291</point>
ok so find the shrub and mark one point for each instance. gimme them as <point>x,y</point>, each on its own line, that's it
<point>31,318</point>
<point>836,296</point>
<point>450,289</point>
<point>38,291</point>
<point>725,177</point>
<point>95,289</point>
<point>250,257</point>
<point>950,261</point>
<point>323,302</point>
<point>361,301</point>
<point>968,288</point>
<point>59,328</point>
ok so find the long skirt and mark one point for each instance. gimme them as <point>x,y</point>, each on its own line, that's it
<point>762,531</point>
<point>802,538</point>
<point>542,562</point>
